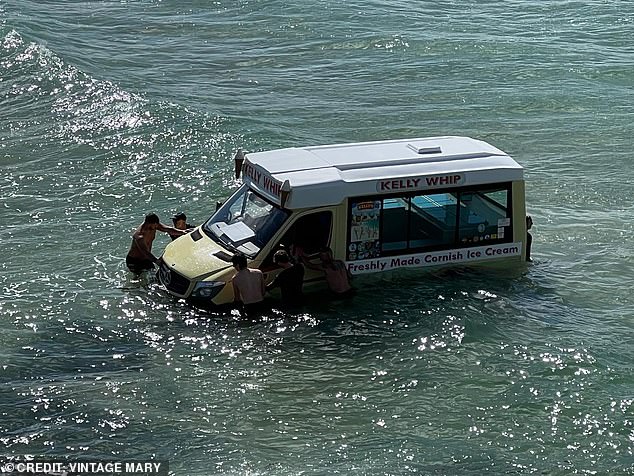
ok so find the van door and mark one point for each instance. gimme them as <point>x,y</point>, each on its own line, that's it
<point>310,232</point>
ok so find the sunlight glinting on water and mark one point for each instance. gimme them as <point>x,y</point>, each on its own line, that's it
<point>110,111</point>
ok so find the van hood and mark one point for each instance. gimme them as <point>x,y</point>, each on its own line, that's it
<point>196,259</point>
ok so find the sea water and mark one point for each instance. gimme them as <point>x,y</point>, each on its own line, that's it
<point>112,109</point>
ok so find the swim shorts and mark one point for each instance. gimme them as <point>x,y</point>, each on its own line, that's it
<point>255,309</point>
<point>138,265</point>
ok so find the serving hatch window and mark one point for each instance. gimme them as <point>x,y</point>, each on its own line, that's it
<point>484,216</point>
<point>245,222</point>
<point>400,224</point>
<point>433,220</point>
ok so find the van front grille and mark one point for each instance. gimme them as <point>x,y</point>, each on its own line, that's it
<point>172,281</point>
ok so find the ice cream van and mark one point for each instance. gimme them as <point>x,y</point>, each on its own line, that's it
<point>380,206</point>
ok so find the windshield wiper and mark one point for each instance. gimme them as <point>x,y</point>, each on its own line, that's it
<point>211,234</point>
<point>227,244</point>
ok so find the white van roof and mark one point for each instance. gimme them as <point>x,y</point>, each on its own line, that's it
<point>310,177</point>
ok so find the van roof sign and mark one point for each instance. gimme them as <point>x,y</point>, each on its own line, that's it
<point>326,175</point>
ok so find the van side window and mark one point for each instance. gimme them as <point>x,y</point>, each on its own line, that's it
<point>484,216</point>
<point>429,221</point>
<point>394,224</point>
<point>433,220</point>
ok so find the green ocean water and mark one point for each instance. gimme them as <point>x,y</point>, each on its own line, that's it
<point>112,109</point>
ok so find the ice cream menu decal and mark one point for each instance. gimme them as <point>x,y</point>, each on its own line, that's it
<point>364,230</point>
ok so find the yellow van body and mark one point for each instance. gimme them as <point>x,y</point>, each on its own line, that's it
<point>380,206</point>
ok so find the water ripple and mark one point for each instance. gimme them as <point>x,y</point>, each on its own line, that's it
<point>113,110</point>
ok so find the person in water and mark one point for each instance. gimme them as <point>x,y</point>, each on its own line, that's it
<point>140,257</point>
<point>290,280</point>
<point>248,286</point>
<point>180,223</point>
<point>336,273</point>
<point>529,237</point>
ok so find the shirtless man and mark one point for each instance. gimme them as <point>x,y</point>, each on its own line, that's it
<point>248,286</point>
<point>140,257</point>
<point>336,273</point>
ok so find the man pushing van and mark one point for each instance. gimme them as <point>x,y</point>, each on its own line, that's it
<point>140,257</point>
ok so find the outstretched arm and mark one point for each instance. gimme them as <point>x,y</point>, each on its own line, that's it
<point>315,266</point>
<point>272,285</point>
<point>171,231</point>
<point>306,262</point>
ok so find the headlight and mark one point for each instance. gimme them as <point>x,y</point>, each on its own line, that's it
<point>207,289</point>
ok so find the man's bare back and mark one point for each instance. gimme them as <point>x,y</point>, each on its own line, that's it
<point>248,285</point>
<point>140,257</point>
<point>141,246</point>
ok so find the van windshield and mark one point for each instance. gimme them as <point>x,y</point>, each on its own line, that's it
<point>245,222</point>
